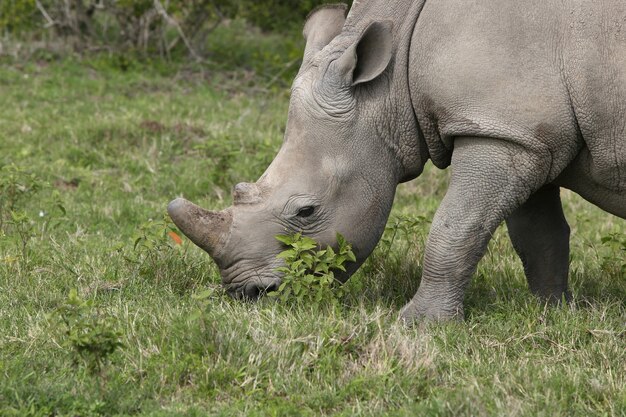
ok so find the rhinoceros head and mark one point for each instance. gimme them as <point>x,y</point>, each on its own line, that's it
<point>333,174</point>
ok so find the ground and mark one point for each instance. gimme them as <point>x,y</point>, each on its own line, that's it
<point>91,153</point>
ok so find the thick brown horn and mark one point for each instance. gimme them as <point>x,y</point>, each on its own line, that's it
<point>207,229</point>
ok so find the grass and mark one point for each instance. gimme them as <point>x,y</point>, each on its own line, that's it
<point>112,147</point>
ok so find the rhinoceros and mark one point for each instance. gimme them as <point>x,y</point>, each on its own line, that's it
<point>520,98</point>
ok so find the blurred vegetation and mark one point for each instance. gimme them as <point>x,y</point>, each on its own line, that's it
<point>161,27</point>
<point>260,41</point>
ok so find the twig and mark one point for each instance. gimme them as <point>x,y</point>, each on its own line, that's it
<point>45,14</point>
<point>161,10</point>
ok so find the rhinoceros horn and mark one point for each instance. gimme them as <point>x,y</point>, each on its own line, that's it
<point>207,229</point>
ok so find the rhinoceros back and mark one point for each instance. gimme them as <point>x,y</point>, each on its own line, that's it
<point>549,75</point>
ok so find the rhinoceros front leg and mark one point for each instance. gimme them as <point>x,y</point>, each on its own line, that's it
<point>490,179</point>
<point>540,236</point>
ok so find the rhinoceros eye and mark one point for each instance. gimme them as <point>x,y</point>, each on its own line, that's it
<point>306,211</point>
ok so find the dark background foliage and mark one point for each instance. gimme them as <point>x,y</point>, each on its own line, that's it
<point>148,26</point>
<point>261,38</point>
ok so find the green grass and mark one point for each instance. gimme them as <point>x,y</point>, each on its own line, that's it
<point>118,145</point>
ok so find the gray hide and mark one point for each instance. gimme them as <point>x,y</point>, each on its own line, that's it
<point>519,97</point>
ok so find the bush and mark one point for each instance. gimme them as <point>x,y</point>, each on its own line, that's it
<point>91,337</point>
<point>278,15</point>
<point>151,27</point>
<point>309,271</point>
<point>18,15</point>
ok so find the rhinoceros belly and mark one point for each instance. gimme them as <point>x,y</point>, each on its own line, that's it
<point>581,178</point>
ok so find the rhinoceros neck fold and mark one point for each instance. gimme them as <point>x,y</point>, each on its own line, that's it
<point>406,143</point>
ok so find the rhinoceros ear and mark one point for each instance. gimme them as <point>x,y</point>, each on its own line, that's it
<point>322,25</point>
<point>369,56</point>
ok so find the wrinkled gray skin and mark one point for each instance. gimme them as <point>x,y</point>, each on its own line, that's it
<point>520,98</point>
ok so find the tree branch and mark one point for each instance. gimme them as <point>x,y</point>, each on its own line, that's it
<point>49,20</point>
<point>161,10</point>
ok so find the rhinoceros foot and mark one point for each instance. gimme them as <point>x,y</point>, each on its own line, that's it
<point>418,310</point>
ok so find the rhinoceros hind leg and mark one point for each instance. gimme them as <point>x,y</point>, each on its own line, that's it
<point>540,236</point>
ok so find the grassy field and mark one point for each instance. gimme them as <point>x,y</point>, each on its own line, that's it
<point>90,155</point>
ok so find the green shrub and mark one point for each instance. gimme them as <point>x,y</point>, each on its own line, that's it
<point>149,27</point>
<point>616,243</point>
<point>16,186</point>
<point>402,227</point>
<point>309,272</point>
<point>18,190</point>
<point>17,16</point>
<point>279,15</point>
<point>91,336</point>
<point>153,242</point>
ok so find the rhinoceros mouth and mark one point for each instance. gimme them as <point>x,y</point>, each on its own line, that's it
<point>253,290</point>
<point>245,281</point>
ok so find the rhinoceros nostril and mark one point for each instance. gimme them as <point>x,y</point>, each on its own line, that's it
<point>237,295</point>
<point>251,292</point>
<point>271,288</point>
<point>255,291</point>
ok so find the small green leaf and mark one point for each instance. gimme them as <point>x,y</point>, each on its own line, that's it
<point>286,254</point>
<point>286,239</point>
<point>307,243</point>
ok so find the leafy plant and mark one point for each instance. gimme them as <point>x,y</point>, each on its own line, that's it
<point>157,251</point>
<point>401,226</point>
<point>151,236</point>
<point>91,337</point>
<point>17,15</point>
<point>16,185</point>
<point>22,226</point>
<point>151,240</point>
<point>18,189</point>
<point>616,242</point>
<point>204,302</point>
<point>309,272</point>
